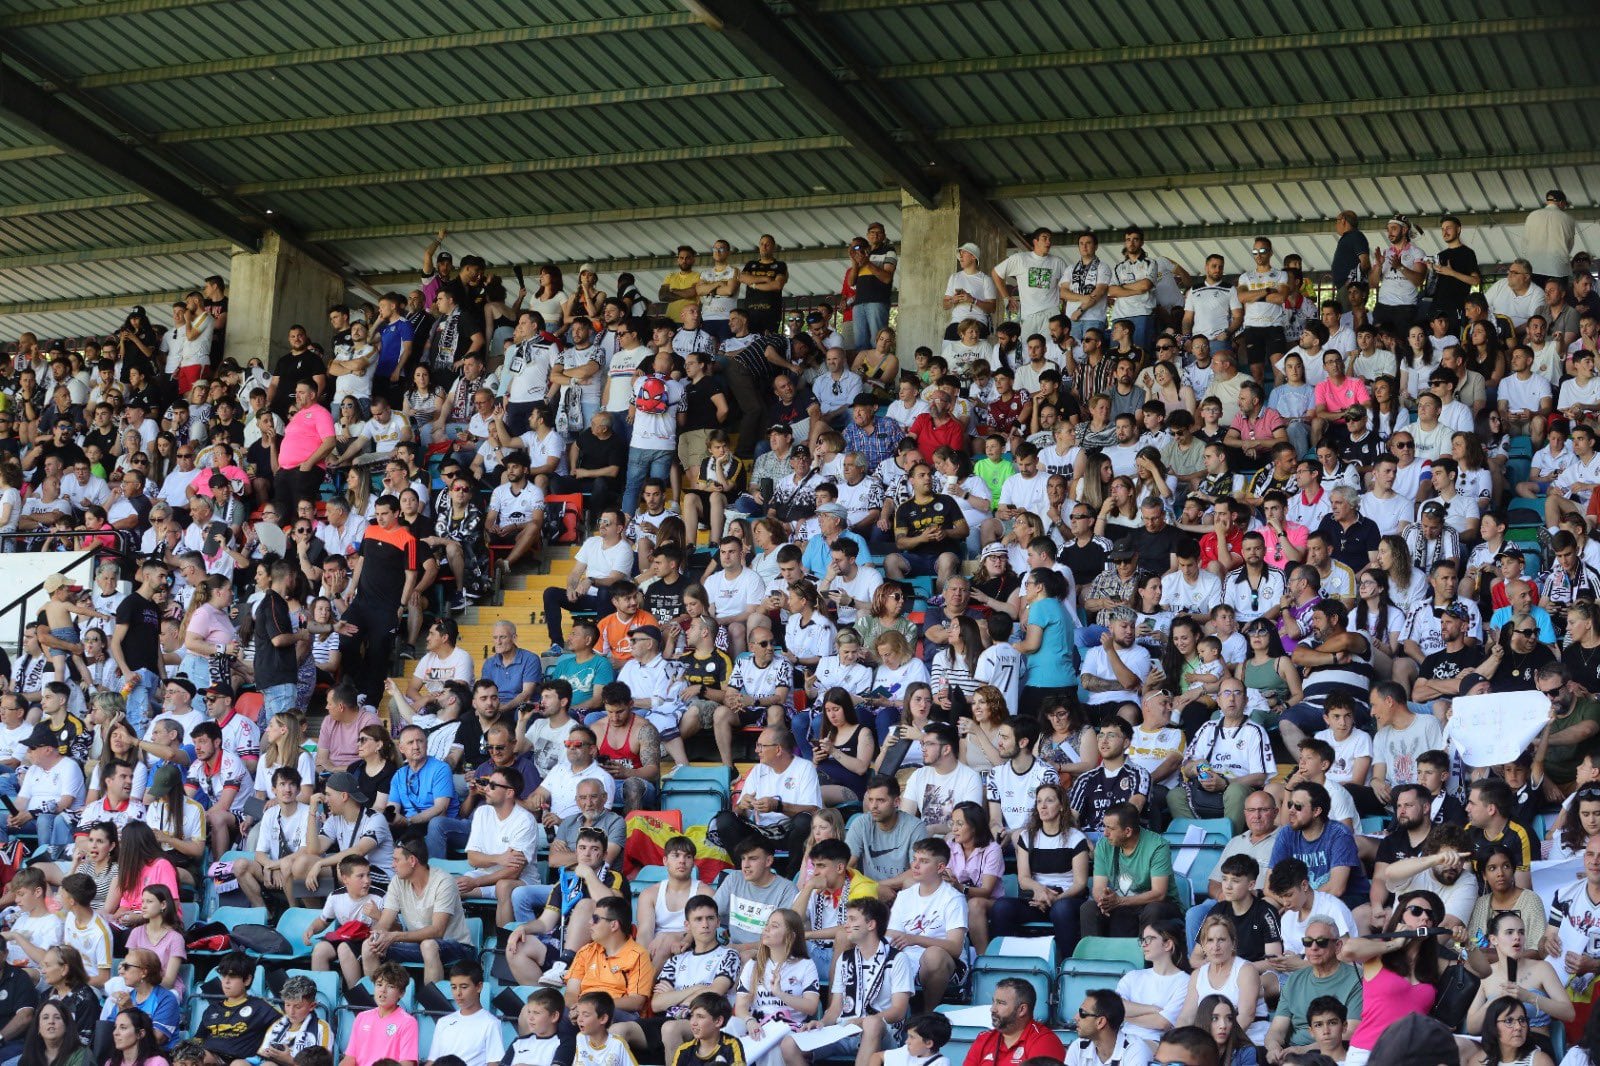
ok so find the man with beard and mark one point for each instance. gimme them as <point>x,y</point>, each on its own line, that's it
<point>1443,868</point>
<point>1016,1036</point>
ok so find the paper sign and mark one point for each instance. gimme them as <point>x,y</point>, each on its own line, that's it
<point>1494,729</point>
<point>1186,856</point>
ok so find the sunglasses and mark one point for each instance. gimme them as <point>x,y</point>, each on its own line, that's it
<point>1087,1014</point>
<point>1417,911</point>
<point>1296,806</point>
<point>1316,941</point>
<point>1527,632</point>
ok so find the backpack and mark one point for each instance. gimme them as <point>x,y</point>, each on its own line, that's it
<point>569,411</point>
<point>651,395</point>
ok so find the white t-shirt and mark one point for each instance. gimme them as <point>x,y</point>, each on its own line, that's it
<point>1524,395</point>
<point>1291,926</point>
<point>1038,280</point>
<point>476,1038</point>
<point>1163,992</point>
<point>796,784</point>
<point>1199,598</point>
<point>434,670</point>
<point>1098,663</point>
<point>979,284</point>
<point>1358,745</point>
<point>1001,665</point>
<point>42,789</point>
<point>358,385</point>
<point>1262,312</point>
<point>1395,289</point>
<point>1387,514</point>
<point>733,596</point>
<point>1014,792</point>
<point>562,784</point>
<point>936,915</point>
<point>514,508</point>
<point>599,560</point>
<point>492,835</point>
<point>43,932</point>
<point>935,795</point>
<point>1398,749</point>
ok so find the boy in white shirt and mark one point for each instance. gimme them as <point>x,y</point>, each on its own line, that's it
<point>355,903</point>
<point>37,929</point>
<point>929,921</point>
<point>471,1033</point>
<point>82,928</point>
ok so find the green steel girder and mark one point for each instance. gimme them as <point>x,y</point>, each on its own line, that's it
<point>543,166</point>
<point>1295,42</point>
<point>380,49</point>
<point>476,109</point>
<point>91,303</point>
<point>91,12</point>
<point>67,256</point>
<point>82,203</point>
<point>648,213</point>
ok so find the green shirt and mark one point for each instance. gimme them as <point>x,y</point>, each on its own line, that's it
<point>993,473</point>
<point>1303,986</point>
<point>1129,875</point>
<point>1561,760</point>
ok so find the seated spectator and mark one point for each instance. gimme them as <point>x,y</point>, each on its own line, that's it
<point>547,943</point>
<point>880,843</point>
<point>1017,1036</point>
<point>705,967</point>
<point>422,919</point>
<point>1102,1034</point>
<point>778,798</point>
<point>942,781</point>
<point>748,896</point>
<point>233,1028</point>
<point>1115,781</point>
<point>386,1030</point>
<point>1223,975</point>
<point>1289,889</point>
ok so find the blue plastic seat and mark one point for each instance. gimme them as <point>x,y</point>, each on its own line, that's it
<point>330,992</point>
<point>1108,949</point>
<point>293,924</point>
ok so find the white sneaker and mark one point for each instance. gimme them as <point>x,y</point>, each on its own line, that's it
<point>555,976</point>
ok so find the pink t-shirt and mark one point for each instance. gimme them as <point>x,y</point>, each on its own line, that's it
<point>212,626</point>
<point>160,872</point>
<point>1387,997</point>
<point>1337,397</point>
<point>383,1036</point>
<point>171,946</point>
<point>304,435</point>
<point>970,870</point>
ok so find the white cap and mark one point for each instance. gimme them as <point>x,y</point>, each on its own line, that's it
<point>970,248</point>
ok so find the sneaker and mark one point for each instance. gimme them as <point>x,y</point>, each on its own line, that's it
<point>555,976</point>
<point>458,603</point>
<point>556,650</point>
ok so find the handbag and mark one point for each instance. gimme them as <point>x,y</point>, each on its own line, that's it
<point>1457,989</point>
<point>569,410</point>
<point>351,932</point>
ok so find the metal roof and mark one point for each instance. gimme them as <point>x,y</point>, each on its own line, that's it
<point>141,139</point>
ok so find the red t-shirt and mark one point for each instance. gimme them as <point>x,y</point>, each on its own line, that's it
<point>1208,545</point>
<point>930,438</point>
<point>990,1050</point>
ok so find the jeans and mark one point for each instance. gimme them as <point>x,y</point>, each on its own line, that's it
<point>868,319</point>
<point>1300,437</point>
<point>556,601</point>
<point>528,900</point>
<point>1143,327</point>
<point>644,463</point>
<point>276,699</point>
<point>751,404</point>
<point>139,697</point>
<point>1012,913</point>
<point>1084,325</point>
<point>53,829</point>
<point>1195,918</point>
<point>444,831</point>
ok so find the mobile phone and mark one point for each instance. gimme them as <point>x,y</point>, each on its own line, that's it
<point>517,270</point>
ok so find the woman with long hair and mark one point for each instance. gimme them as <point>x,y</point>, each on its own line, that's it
<point>1223,973</point>
<point>283,744</point>
<point>1047,643</point>
<point>955,665</point>
<point>1377,617</point>
<point>1152,478</point>
<point>1474,479</point>
<point>377,759</point>
<point>1513,975</point>
<point>1170,388</point>
<point>119,742</point>
<point>1484,352</point>
<point>1066,737</point>
<point>898,668</point>
<point>919,708</point>
<point>173,831</point>
<point>879,366</point>
<point>1579,822</point>
<point>1151,623</point>
<point>980,734</point>
<point>778,987</point>
<point>549,297</point>
<point>1335,470</point>
<point>1417,358</point>
<point>956,480</point>
<point>888,613</point>
<point>210,639</point>
<point>327,654</point>
<point>808,635</point>
<point>1408,586</point>
<point>843,750</point>
<point>162,933</point>
<point>67,984</point>
<point>147,1019</point>
<point>54,1040</point>
<point>1119,512</point>
<point>1508,1034</point>
<point>96,860</point>
<point>826,824</point>
<point>1387,413</point>
<point>1582,651</point>
<point>1497,878</point>
<point>1098,432</point>
<point>1271,682</point>
<point>976,867</point>
<point>1092,487</point>
<point>763,536</point>
<point>420,405</point>
<point>1294,399</point>
<point>1182,656</point>
<point>1398,976</point>
<point>1153,997</point>
<point>1053,860</point>
<point>1217,1015</point>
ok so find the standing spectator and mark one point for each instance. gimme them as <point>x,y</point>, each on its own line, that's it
<point>1547,237</point>
<point>1037,275</point>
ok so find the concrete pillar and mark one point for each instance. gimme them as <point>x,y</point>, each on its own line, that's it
<point>928,243</point>
<point>273,289</point>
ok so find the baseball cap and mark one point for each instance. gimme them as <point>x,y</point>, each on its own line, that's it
<point>1119,554</point>
<point>1355,413</point>
<point>41,737</point>
<point>1557,195</point>
<point>779,427</point>
<point>653,632</point>
<point>220,689</point>
<point>346,782</point>
<point>834,510</point>
<point>1470,680</point>
<point>1434,509</point>
<point>1456,609</point>
<point>56,582</point>
<point>1511,552</point>
<point>1415,1040</point>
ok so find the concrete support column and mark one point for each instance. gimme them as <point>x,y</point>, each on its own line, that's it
<point>928,243</point>
<point>273,289</point>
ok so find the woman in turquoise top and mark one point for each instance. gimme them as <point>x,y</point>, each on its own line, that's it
<point>1047,642</point>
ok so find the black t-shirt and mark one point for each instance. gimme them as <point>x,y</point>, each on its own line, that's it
<point>141,643</point>
<point>1397,846</point>
<point>236,1031</point>
<point>291,370</point>
<point>1155,549</point>
<point>69,454</point>
<point>1445,664</point>
<point>664,601</point>
<point>470,735</point>
<point>1516,670</point>
<point>1448,293</point>
<point>1518,838</point>
<point>274,665</point>
<point>234,431</point>
<point>1256,927</point>
<point>712,672</point>
<point>596,454</point>
<point>1447,810</point>
<point>1087,561</point>
<point>1346,265</point>
<point>912,519</point>
<point>387,555</point>
<point>699,411</point>
<point>787,414</point>
<point>105,438</point>
<point>1364,451</point>
<point>764,306</point>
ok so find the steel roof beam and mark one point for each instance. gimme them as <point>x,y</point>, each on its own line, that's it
<point>384,49</point>
<point>30,151</point>
<point>1391,168</point>
<point>544,166</point>
<point>82,203</point>
<point>68,256</point>
<point>47,114</point>
<point>1319,227</point>
<point>750,26</point>
<point>476,109</point>
<point>1296,42</point>
<point>93,12</point>
<point>91,303</point>
<point>649,213</point>
<point>1271,112</point>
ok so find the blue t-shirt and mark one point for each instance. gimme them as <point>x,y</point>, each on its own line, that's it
<point>586,679</point>
<point>525,667</point>
<point>415,792</point>
<point>1334,848</point>
<point>391,337</point>
<point>1054,665</point>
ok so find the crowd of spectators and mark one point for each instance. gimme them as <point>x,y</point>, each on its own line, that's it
<point>1034,597</point>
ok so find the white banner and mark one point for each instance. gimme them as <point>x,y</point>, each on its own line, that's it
<point>1494,729</point>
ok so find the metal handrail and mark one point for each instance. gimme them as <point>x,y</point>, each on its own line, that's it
<point>91,557</point>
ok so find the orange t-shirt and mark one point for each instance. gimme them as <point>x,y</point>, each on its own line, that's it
<point>614,635</point>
